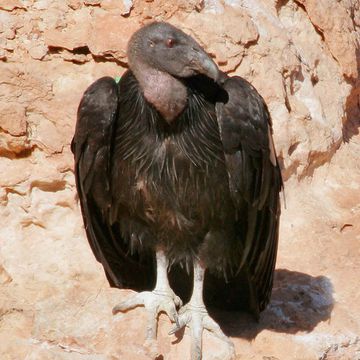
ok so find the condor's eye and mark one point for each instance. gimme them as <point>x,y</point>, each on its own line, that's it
<point>170,42</point>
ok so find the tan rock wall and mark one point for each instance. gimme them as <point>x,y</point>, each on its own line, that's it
<point>302,56</point>
<point>302,60</point>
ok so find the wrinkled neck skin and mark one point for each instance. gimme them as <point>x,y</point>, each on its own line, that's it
<point>166,93</point>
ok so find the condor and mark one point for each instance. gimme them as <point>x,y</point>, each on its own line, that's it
<point>179,184</point>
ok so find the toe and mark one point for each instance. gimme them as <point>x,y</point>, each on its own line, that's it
<point>196,352</point>
<point>178,302</point>
<point>212,326</point>
<point>181,321</point>
<point>170,309</point>
<point>184,309</point>
<point>196,341</point>
<point>151,327</point>
<point>128,304</point>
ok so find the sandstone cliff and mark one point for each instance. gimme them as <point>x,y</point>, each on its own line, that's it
<point>303,56</point>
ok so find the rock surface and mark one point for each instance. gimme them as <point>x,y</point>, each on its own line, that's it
<point>302,56</point>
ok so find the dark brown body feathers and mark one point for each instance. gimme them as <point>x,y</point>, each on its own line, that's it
<point>202,186</point>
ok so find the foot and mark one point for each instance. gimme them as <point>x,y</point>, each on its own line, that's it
<point>198,319</point>
<point>155,302</point>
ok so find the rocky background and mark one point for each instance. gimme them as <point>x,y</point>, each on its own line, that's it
<point>303,56</point>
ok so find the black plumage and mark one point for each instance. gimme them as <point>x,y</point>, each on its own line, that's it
<point>204,186</point>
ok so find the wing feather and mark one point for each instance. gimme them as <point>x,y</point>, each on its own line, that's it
<point>254,182</point>
<point>92,147</point>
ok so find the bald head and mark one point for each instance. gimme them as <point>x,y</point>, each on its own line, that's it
<point>166,48</point>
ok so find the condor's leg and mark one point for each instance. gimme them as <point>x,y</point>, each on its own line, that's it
<point>161,299</point>
<point>195,316</point>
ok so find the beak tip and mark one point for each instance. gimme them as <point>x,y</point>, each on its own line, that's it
<point>221,78</point>
<point>213,72</point>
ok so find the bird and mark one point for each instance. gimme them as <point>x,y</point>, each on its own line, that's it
<point>179,184</point>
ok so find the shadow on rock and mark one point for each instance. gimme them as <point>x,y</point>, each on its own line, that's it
<point>351,121</point>
<point>298,303</point>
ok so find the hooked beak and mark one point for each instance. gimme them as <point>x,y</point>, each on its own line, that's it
<point>205,65</point>
<point>208,67</point>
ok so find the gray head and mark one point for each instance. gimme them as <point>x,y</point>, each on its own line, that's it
<point>165,48</point>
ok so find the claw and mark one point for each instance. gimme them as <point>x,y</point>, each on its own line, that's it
<point>181,322</point>
<point>197,319</point>
<point>178,302</point>
<point>154,303</point>
<point>177,321</point>
<point>175,329</point>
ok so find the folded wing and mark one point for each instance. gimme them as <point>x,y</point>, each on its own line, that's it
<point>92,147</point>
<point>254,181</point>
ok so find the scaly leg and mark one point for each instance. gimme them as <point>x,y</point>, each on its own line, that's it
<point>195,316</point>
<point>162,298</point>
